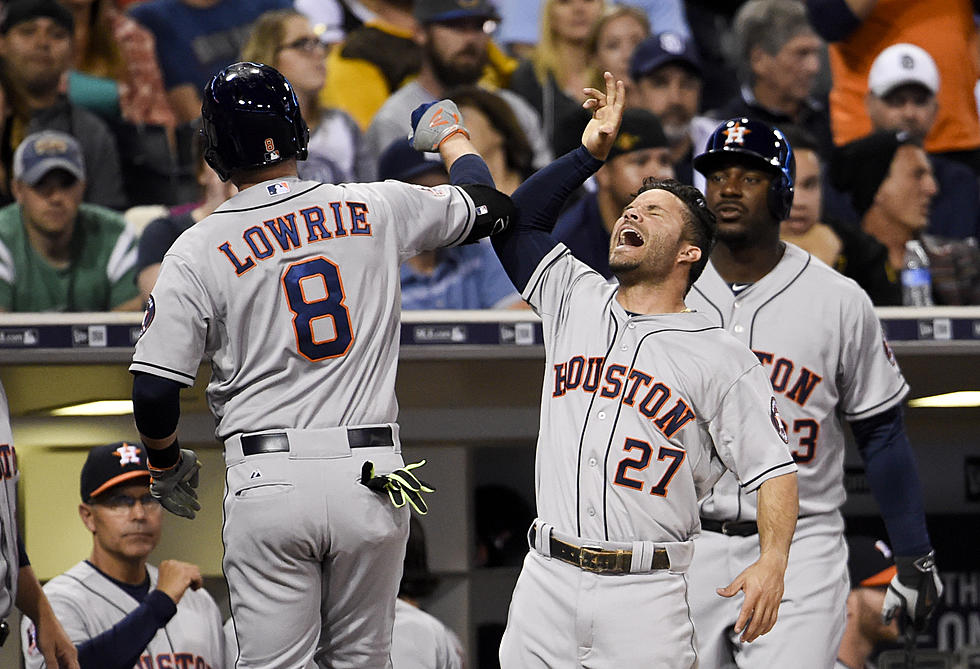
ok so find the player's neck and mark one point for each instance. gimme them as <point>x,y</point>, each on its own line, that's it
<point>281,170</point>
<point>130,571</point>
<point>644,297</point>
<point>746,263</point>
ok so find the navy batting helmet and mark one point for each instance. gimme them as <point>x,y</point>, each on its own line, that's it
<point>758,145</point>
<point>251,119</point>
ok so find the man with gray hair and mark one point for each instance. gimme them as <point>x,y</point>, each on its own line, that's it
<point>778,57</point>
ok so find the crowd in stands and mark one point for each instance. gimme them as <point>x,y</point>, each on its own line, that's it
<point>100,104</point>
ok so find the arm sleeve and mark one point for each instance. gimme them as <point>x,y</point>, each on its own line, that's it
<point>470,169</point>
<point>832,19</point>
<point>539,201</point>
<point>894,480</point>
<point>120,646</point>
<point>156,405</point>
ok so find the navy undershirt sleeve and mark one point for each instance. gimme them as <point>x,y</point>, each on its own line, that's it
<point>832,19</point>
<point>156,405</point>
<point>120,646</point>
<point>894,480</point>
<point>539,201</point>
<point>470,169</point>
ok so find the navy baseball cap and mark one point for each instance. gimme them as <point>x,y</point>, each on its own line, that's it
<point>639,129</point>
<point>434,11</point>
<point>662,48</point>
<point>402,162</point>
<point>47,150</point>
<point>112,465</point>
<point>19,11</point>
<point>869,562</point>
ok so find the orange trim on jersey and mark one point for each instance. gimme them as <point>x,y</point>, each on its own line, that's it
<point>116,480</point>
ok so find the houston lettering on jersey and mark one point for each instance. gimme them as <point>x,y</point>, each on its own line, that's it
<point>293,230</point>
<point>172,661</point>
<point>796,384</point>
<point>636,387</point>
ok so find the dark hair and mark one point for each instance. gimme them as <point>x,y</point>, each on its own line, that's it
<point>517,148</point>
<point>700,224</point>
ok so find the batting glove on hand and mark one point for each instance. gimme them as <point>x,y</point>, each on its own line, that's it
<point>914,590</point>
<point>401,485</point>
<point>176,487</point>
<point>435,122</point>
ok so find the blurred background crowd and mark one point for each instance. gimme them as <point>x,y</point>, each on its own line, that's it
<point>100,103</point>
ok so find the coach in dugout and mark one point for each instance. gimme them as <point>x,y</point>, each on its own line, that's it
<point>119,611</point>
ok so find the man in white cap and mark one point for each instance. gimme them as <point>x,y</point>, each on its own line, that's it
<point>902,87</point>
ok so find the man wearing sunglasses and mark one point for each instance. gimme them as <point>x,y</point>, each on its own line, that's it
<point>118,610</point>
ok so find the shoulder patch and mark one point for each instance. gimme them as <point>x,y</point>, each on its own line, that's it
<point>889,353</point>
<point>148,315</point>
<point>777,421</point>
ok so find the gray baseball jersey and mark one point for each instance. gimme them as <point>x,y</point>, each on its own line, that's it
<point>816,334</point>
<point>640,414</point>
<point>291,288</point>
<point>9,561</point>
<point>88,604</point>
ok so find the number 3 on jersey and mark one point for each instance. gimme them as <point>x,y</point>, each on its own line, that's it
<point>315,292</point>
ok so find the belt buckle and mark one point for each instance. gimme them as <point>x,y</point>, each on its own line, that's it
<point>724,527</point>
<point>590,559</point>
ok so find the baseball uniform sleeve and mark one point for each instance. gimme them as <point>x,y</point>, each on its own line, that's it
<point>427,218</point>
<point>748,433</point>
<point>871,381</point>
<point>176,324</point>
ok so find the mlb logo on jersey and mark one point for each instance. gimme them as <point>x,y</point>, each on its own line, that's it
<point>278,188</point>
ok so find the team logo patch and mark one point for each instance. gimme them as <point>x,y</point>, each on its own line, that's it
<point>128,454</point>
<point>777,421</point>
<point>889,353</point>
<point>148,315</point>
<point>278,188</point>
<point>735,134</point>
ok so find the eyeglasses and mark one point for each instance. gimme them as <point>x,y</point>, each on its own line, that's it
<point>306,44</point>
<point>121,503</point>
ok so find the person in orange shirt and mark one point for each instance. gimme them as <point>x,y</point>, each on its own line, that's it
<point>860,29</point>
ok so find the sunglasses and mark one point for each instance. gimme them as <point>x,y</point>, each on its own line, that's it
<point>120,503</point>
<point>307,44</point>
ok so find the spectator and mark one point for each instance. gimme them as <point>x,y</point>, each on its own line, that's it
<point>284,39</point>
<point>668,77</point>
<point>859,30</point>
<point>57,254</point>
<point>419,640</point>
<point>902,88</point>
<point>871,567</point>
<point>458,277</point>
<point>455,52</point>
<point>553,77</point>
<point>803,226</point>
<point>117,609</point>
<point>18,584</point>
<point>891,185</point>
<point>116,73</point>
<point>612,41</point>
<point>375,59</point>
<point>640,151</point>
<point>36,47</point>
<point>496,134</point>
<point>195,39</point>
<point>158,236</point>
<point>778,56</point>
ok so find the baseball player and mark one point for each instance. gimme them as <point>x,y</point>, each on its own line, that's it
<point>818,339</point>
<point>644,405</point>
<point>291,290</point>
<point>18,584</point>
<point>119,610</point>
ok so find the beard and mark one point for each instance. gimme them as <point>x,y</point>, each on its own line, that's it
<point>452,73</point>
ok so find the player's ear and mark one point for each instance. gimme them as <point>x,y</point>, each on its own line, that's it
<point>689,253</point>
<point>85,513</point>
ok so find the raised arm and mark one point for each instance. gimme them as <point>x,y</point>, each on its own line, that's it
<point>762,581</point>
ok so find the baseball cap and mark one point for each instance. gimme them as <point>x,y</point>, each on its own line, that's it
<point>112,465</point>
<point>19,11</point>
<point>47,150</point>
<point>433,11</point>
<point>400,161</point>
<point>860,167</point>
<point>660,49</point>
<point>869,562</point>
<point>902,64</point>
<point>639,129</point>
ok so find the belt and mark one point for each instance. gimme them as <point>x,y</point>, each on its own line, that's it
<point>597,560</point>
<point>278,442</point>
<point>731,528</point>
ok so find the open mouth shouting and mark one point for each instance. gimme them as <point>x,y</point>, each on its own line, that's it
<point>628,237</point>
